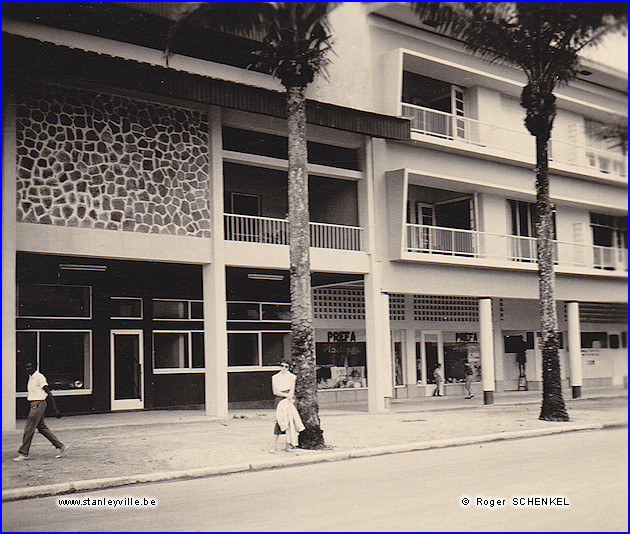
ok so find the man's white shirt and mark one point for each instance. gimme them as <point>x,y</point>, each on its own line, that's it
<point>35,387</point>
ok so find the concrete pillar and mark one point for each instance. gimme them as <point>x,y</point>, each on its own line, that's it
<point>377,331</point>
<point>487,349</point>
<point>214,298</point>
<point>378,346</point>
<point>575,348</point>
<point>9,248</point>
<point>499,347</point>
<point>410,358</point>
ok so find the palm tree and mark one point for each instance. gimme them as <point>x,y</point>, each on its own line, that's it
<point>293,41</point>
<point>542,39</point>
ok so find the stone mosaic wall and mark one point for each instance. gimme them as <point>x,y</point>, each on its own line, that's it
<point>93,160</point>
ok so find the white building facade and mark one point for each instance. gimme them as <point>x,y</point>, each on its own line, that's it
<point>145,252</point>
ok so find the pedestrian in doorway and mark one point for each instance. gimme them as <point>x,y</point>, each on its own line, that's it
<point>288,420</point>
<point>38,393</point>
<point>438,377</point>
<point>468,376</point>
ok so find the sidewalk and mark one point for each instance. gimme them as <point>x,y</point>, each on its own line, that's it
<point>116,449</point>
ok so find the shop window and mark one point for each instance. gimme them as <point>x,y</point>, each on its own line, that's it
<point>276,312</point>
<point>256,311</point>
<point>275,347</point>
<point>126,308</point>
<point>178,351</point>
<point>455,356</point>
<point>175,309</point>
<point>196,309</point>
<point>170,309</point>
<point>64,357</point>
<point>243,311</point>
<point>255,349</point>
<point>594,340</point>
<point>52,301</point>
<point>341,365</point>
<point>242,349</point>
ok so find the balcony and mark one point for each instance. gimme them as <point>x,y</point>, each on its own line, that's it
<point>489,249</point>
<point>514,144</point>
<point>251,229</point>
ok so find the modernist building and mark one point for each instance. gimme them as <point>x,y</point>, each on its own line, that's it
<point>145,256</point>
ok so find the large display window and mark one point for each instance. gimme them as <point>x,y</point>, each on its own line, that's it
<point>341,360</point>
<point>461,348</point>
<point>63,357</point>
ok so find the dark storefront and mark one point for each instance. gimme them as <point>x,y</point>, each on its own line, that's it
<point>111,334</point>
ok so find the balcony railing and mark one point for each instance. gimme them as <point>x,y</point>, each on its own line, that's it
<point>250,229</point>
<point>444,241</point>
<point>518,144</point>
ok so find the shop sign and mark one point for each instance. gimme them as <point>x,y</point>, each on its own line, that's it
<point>343,337</point>
<point>466,337</point>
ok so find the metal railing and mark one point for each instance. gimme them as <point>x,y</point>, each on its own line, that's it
<point>251,229</point>
<point>515,143</point>
<point>510,248</point>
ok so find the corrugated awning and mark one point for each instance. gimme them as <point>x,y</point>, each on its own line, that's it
<point>25,58</point>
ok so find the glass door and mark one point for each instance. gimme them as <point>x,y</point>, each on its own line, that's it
<point>126,370</point>
<point>432,353</point>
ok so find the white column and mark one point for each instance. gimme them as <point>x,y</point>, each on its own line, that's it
<point>214,299</point>
<point>9,248</point>
<point>378,346</point>
<point>499,346</point>
<point>411,379</point>
<point>575,348</point>
<point>377,331</point>
<point>487,349</point>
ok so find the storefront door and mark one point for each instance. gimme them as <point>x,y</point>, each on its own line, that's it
<point>126,369</point>
<point>432,353</point>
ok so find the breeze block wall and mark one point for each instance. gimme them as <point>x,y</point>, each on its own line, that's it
<point>95,160</point>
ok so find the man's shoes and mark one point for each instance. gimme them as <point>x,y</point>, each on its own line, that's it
<point>62,451</point>
<point>20,458</point>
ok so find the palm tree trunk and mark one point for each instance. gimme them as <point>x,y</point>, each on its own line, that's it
<point>302,338</point>
<point>553,408</point>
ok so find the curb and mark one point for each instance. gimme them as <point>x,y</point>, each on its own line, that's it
<point>204,472</point>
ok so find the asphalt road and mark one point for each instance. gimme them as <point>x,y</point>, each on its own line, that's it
<point>586,473</point>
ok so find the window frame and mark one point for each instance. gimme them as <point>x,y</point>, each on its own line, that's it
<point>178,370</point>
<point>117,317</point>
<point>260,305</point>
<point>71,317</point>
<point>259,337</point>
<point>188,303</point>
<point>88,375</point>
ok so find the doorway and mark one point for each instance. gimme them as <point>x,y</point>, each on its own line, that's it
<point>127,371</point>
<point>432,352</point>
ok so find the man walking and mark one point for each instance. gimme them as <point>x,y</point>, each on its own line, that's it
<point>38,391</point>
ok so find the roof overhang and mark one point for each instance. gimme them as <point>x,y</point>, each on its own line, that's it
<point>31,59</point>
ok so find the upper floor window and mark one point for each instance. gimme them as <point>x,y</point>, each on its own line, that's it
<point>435,106</point>
<point>523,219</point>
<point>609,231</point>
<point>433,94</point>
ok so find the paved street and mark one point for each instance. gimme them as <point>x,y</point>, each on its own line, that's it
<point>411,491</point>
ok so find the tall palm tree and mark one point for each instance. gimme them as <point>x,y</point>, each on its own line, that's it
<point>293,40</point>
<point>543,39</point>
